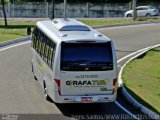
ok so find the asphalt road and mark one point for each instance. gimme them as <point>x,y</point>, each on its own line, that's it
<point>21,94</point>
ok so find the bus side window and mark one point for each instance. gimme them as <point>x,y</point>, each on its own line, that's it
<point>38,41</point>
<point>50,47</point>
<point>53,54</point>
<point>34,38</point>
<point>48,52</point>
<point>43,46</point>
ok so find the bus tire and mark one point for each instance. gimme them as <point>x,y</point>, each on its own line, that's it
<point>33,73</point>
<point>46,92</point>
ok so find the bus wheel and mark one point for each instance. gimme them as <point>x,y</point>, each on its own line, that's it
<point>46,92</point>
<point>33,73</point>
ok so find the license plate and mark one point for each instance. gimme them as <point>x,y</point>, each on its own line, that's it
<point>86,99</point>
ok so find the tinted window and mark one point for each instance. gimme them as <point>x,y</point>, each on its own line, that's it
<point>142,8</point>
<point>44,46</point>
<point>151,7</point>
<point>86,57</point>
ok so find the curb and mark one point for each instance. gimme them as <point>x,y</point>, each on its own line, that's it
<point>132,100</point>
<point>125,24</point>
<point>2,44</point>
<point>142,108</point>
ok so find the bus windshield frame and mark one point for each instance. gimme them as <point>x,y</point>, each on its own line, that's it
<point>86,56</point>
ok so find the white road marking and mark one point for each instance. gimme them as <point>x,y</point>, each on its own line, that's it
<point>141,50</point>
<point>132,115</point>
<point>116,102</point>
<point>12,46</point>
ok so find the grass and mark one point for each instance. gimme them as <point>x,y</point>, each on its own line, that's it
<point>148,19</point>
<point>17,29</point>
<point>141,78</point>
<point>110,21</point>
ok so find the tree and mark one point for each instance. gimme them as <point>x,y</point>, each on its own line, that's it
<point>4,12</point>
<point>77,1</point>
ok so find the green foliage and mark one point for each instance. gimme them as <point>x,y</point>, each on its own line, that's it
<point>83,1</point>
<point>111,21</point>
<point>15,29</point>
<point>76,1</point>
<point>6,1</point>
<point>30,0</point>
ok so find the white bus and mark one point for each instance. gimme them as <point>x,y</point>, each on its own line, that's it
<point>73,62</point>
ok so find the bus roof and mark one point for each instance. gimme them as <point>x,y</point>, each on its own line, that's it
<point>69,30</point>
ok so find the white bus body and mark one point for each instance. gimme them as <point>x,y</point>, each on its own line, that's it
<point>73,62</point>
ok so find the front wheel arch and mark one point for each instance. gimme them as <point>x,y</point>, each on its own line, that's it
<point>33,72</point>
<point>129,15</point>
<point>45,91</point>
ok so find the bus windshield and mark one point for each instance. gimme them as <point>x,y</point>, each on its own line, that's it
<point>86,56</point>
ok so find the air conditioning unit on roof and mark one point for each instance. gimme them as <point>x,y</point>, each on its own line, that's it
<point>69,25</point>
